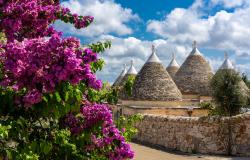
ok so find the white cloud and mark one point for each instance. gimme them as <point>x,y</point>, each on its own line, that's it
<point>110,17</point>
<point>223,31</point>
<point>230,3</point>
<point>244,68</point>
<point>180,26</point>
<point>123,50</point>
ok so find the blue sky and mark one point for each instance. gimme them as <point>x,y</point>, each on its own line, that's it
<point>154,9</point>
<point>133,26</point>
<point>151,9</point>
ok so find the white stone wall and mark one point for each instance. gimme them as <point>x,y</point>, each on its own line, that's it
<point>208,135</point>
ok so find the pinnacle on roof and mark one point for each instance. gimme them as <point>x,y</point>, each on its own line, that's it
<point>124,70</point>
<point>195,50</point>
<point>173,62</point>
<point>132,69</point>
<point>120,77</point>
<point>153,57</point>
<point>227,64</point>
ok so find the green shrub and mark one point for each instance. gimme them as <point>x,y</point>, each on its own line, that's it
<point>227,93</point>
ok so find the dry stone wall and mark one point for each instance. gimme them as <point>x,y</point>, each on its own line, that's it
<point>208,135</point>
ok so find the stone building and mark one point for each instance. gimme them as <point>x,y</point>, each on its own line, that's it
<point>227,65</point>
<point>131,72</point>
<point>154,83</point>
<point>173,67</point>
<point>120,77</point>
<point>194,75</point>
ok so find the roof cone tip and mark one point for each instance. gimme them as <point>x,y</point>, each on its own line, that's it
<point>173,62</point>
<point>227,64</point>
<point>124,70</point>
<point>132,69</point>
<point>153,48</point>
<point>153,57</point>
<point>195,50</point>
<point>194,44</point>
<point>226,55</point>
<point>173,55</point>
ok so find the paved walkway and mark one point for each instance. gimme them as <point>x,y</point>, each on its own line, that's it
<point>146,153</point>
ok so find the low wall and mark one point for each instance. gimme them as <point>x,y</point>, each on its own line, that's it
<point>161,103</point>
<point>173,111</point>
<point>209,135</point>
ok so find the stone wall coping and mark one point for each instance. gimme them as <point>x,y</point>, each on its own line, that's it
<point>156,107</point>
<point>208,119</point>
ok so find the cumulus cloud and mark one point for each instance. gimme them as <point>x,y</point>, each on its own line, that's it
<point>123,50</point>
<point>110,17</point>
<point>244,68</point>
<point>223,30</point>
<point>230,3</point>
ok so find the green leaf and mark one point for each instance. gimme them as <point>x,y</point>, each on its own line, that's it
<point>66,97</point>
<point>78,95</point>
<point>45,99</point>
<point>46,147</point>
<point>9,154</point>
<point>58,97</point>
<point>33,146</point>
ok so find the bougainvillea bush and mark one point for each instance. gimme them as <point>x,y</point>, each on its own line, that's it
<point>51,104</point>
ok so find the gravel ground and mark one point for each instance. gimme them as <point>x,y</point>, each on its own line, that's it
<point>147,153</point>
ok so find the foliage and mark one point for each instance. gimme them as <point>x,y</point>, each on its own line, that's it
<point>106,94</point>
<point>51,104</point>
<point>212,109</point>
<point>126,124</point>
<point>129,85</point>
<point>227,93</point>
<point>100,46</point>
<point>206,105</point>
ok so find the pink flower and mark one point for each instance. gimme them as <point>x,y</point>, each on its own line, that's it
<point>32,97</point>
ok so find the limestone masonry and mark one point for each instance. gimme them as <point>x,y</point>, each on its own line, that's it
<point>207,135</point>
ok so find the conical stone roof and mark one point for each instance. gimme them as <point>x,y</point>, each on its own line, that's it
<point>130,73</point>
<point>120,77</point>
<point>228,66</point>
<point>154,83</point>
<point>173,67</point>
<point>195,74</point>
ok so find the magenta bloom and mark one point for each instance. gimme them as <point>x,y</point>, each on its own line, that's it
<point>41,64</point>
<point>100,114</point>
<point>35,62</point>
<point>32,18</point>
<point>32,97</point>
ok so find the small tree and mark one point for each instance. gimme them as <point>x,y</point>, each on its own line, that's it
<point>227,92</point>
<point>229,97</point>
